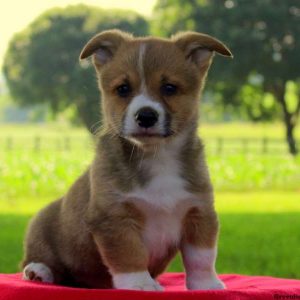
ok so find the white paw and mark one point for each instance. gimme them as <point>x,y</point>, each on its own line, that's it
<point>38,272</point>
<point>136,281</point>
<point>211,283</point>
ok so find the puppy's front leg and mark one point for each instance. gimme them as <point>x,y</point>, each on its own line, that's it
<point>199,248</point>
<point>118,235</point>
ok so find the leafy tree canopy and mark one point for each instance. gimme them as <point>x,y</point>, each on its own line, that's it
<point>41,64</point>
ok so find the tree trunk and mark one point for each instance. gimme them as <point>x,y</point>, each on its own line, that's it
<point>287,118</point>
<point>291,139</point>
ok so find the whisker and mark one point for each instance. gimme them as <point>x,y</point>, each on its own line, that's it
<point>142,159</point>
<point>155,152</point>
<point>132,152</point>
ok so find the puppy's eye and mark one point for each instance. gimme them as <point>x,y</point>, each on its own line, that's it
<point>124,90</point>
<point>168,89</point>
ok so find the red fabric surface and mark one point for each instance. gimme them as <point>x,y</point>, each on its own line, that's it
<point>12,287</point>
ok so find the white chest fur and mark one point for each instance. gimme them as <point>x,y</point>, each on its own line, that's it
<point>163,200</point>
<point>166,186</point>
<point>162,231</point>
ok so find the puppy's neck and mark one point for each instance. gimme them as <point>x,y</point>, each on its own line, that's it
<point>126,165</point>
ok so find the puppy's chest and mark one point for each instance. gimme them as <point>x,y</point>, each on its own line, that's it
<point>166,186</point>
<point>162,233</point>
<point>164,201</point>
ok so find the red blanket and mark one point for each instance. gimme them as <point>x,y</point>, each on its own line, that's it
<point>238,287</point>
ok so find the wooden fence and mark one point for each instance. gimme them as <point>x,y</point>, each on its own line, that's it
<point>247,145</point>
<point>216,146</point>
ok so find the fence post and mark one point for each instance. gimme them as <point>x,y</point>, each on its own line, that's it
<point>219,145</point>
<point>265,145</point>
<point>9,143</point>
<point>59,145</point>
<point>37,143</point>
<point>245,145</point>
<point>67,143</point>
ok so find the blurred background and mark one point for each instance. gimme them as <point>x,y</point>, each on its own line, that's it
<point>249,116</point>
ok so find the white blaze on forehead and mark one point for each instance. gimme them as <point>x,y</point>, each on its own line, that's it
<point>143,100</point>
<point>141,70</point>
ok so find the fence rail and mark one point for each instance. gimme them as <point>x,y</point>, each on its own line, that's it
<point>247,145</point>
<point>213,145</point>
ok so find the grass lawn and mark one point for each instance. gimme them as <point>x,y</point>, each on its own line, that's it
<point>259,233</point>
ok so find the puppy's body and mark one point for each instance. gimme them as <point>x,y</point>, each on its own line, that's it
<point>148,193</point>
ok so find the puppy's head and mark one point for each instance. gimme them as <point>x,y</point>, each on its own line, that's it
<point>150,86</point>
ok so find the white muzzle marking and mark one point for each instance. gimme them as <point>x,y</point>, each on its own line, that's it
<point>130,126</point>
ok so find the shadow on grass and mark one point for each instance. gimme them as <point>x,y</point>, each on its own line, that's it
<point>12,230</point>
<point>260,244</point>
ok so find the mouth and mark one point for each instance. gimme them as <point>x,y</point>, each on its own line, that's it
<point>146,132</point>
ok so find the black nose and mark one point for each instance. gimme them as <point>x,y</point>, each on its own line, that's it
<point>146,117</point>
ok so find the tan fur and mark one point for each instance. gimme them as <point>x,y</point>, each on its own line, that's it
<point>91,232</point>
<point>201,227</point>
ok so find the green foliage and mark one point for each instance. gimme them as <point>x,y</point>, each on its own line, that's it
<point>258,105</point>
<point>262,34</point>
<point>41,64</point>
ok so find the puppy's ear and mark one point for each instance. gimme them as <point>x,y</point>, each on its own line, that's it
<point>199,48</point>
<point>104,45</point>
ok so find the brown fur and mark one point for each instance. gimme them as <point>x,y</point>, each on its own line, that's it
<point>89,231</point>
<point>200,227</point>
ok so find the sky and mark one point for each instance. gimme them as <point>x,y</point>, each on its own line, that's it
<point>15,15</point>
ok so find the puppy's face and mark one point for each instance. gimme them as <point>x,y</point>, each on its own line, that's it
<point>151,86</point>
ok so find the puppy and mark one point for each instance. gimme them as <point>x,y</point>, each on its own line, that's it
<point>147,194</point>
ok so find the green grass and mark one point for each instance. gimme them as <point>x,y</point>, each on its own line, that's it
<point>263,243</point>
<point>259,233</point>
<point>257,196</point>
<point>11,239</point>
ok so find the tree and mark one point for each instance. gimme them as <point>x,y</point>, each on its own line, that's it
<point>42,62</point>
<point>263,36</point>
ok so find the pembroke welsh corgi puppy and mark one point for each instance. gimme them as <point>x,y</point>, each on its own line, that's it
<point>147,193</point>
